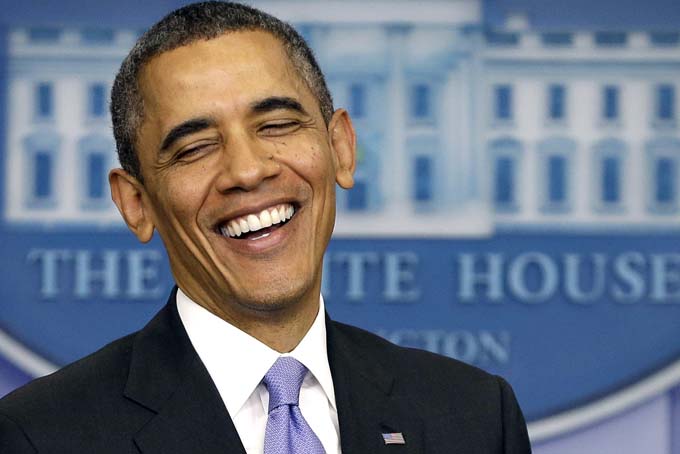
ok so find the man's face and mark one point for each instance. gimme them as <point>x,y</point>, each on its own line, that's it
<point>233,140</point>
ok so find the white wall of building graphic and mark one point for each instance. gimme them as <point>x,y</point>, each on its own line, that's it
<point>59,142</point>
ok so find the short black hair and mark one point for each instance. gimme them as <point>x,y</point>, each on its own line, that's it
<point>200,21</point>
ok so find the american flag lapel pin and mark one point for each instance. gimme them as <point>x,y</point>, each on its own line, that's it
<point>394,438</point>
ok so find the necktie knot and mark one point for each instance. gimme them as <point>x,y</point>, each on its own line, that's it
<point>283,381</point>
<point>287,431</point>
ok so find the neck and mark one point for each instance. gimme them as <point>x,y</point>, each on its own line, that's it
<point>282,335</point>
<point>281,327</point>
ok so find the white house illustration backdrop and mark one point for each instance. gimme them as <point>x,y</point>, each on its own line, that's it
<point>476,128</point>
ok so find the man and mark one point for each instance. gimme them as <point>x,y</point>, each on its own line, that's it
<point>231,150</point>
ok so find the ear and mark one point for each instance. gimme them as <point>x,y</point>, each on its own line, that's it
<point>344,147</point>
<point>129,196</point>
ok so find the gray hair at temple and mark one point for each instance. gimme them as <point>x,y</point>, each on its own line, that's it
<point>183,26</point>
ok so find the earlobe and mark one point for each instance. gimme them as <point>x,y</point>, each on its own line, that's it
<point>128,195</point>
<point>343,144</point>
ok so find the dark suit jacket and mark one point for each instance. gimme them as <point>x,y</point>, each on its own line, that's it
<point>150,393</point>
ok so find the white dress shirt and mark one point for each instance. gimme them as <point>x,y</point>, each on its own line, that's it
<point>237,362</point>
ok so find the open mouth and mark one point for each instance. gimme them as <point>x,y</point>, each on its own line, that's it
<point>258,225</point>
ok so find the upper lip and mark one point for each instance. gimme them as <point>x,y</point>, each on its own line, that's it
<point>254,208</point>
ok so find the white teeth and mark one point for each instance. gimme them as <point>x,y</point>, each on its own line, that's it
<point>265,219</point>
<point>275,216</point>
<point>255,222</point>
<point>244,225</point>
<point>235,227</point>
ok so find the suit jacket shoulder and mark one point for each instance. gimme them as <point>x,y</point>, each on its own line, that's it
<point>74,403</point>
<point>456,407</point>
<point>411,363</point>
<point>147,392</point>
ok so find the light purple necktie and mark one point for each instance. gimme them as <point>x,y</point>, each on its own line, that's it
<point>287,431</point>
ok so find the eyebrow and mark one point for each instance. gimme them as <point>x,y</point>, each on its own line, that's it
<point>184,129</point>
<point>276,103</point>
<point>195,125</point>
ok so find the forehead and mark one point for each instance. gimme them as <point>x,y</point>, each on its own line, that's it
<point>232,69</point>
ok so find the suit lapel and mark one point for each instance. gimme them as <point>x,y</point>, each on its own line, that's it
<point>168,378</point>
<point>367,405</point>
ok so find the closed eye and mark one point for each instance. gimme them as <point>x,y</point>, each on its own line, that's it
<point>195,151</point>
<point>279,129</point>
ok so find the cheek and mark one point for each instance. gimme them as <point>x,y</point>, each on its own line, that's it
<point>182,198</point>
<point>310,160</point>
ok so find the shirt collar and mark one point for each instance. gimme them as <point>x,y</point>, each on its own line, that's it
<point>312,351</point>
<point>236,361</point>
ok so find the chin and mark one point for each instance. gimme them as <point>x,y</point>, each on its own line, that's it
<point>275,299</point>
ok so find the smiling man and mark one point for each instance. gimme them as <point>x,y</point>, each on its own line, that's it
<point>237,173</point>
<point>231,151</point>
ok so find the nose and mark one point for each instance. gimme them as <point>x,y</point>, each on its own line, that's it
<point>246,164</point>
